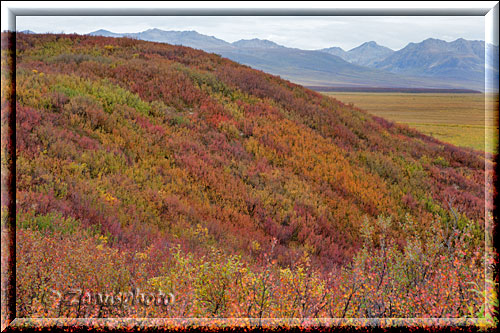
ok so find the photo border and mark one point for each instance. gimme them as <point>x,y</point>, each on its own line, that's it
<point>8,248</point>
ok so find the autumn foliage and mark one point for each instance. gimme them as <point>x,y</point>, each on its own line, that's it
<point>158,167</point>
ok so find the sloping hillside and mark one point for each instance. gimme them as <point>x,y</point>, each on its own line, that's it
<point>128,149</point>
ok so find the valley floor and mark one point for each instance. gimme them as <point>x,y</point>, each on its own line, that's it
<point>460,119</point>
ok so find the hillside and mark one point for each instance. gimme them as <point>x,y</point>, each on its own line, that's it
<point>148,165</point>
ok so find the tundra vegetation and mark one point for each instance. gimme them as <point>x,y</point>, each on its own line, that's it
<point>149,166</point>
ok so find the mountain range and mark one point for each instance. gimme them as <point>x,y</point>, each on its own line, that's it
<point>460,59</point>
<point>432,63</point>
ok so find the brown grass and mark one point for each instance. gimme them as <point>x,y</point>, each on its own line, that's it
<point>461,119</point>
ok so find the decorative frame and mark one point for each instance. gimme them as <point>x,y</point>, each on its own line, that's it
<point>8,276</point>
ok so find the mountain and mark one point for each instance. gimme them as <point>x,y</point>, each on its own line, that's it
<point>185,38</point>
<point>368,53</point>
<point>105,33</point>
<point>256,44</point>
<point>336,51</point>
<point>165,169</point>
<point>27,32</point>
<point>365,54</point>
<point>460,60</point>
<point>312,68</point>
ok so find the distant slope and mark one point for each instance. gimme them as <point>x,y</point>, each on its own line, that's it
<point>313,68</point>
<point>321,69</point>
<point>105,33</point>
<point>460,61</point>
<point>336,51</point>
<point>365,54</point>
<point>256,43</point>
<point>368,53</point>
<point>185,38</point>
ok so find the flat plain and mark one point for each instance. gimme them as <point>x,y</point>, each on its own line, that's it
<point>460,119</point>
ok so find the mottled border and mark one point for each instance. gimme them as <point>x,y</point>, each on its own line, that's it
<point>318,324</point>
<point>8,190</point>
<point>8,277</point>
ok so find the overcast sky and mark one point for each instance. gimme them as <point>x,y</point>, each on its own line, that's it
<point>305,32</point>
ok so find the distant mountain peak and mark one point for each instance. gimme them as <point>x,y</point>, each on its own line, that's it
<point>334,48</point>
<point>105,33</point>
<point>433,41</point>
<point>365,54</point>
<point>101,30</point>
<point>154,30</point>
<point>189,38</point>
<point>372,45</point>
<point>460,60</point>
<point>256,43</point>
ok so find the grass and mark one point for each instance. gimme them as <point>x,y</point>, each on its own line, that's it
<point>461,119</point>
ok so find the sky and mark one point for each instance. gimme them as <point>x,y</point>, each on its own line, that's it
<point>304,32</point>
